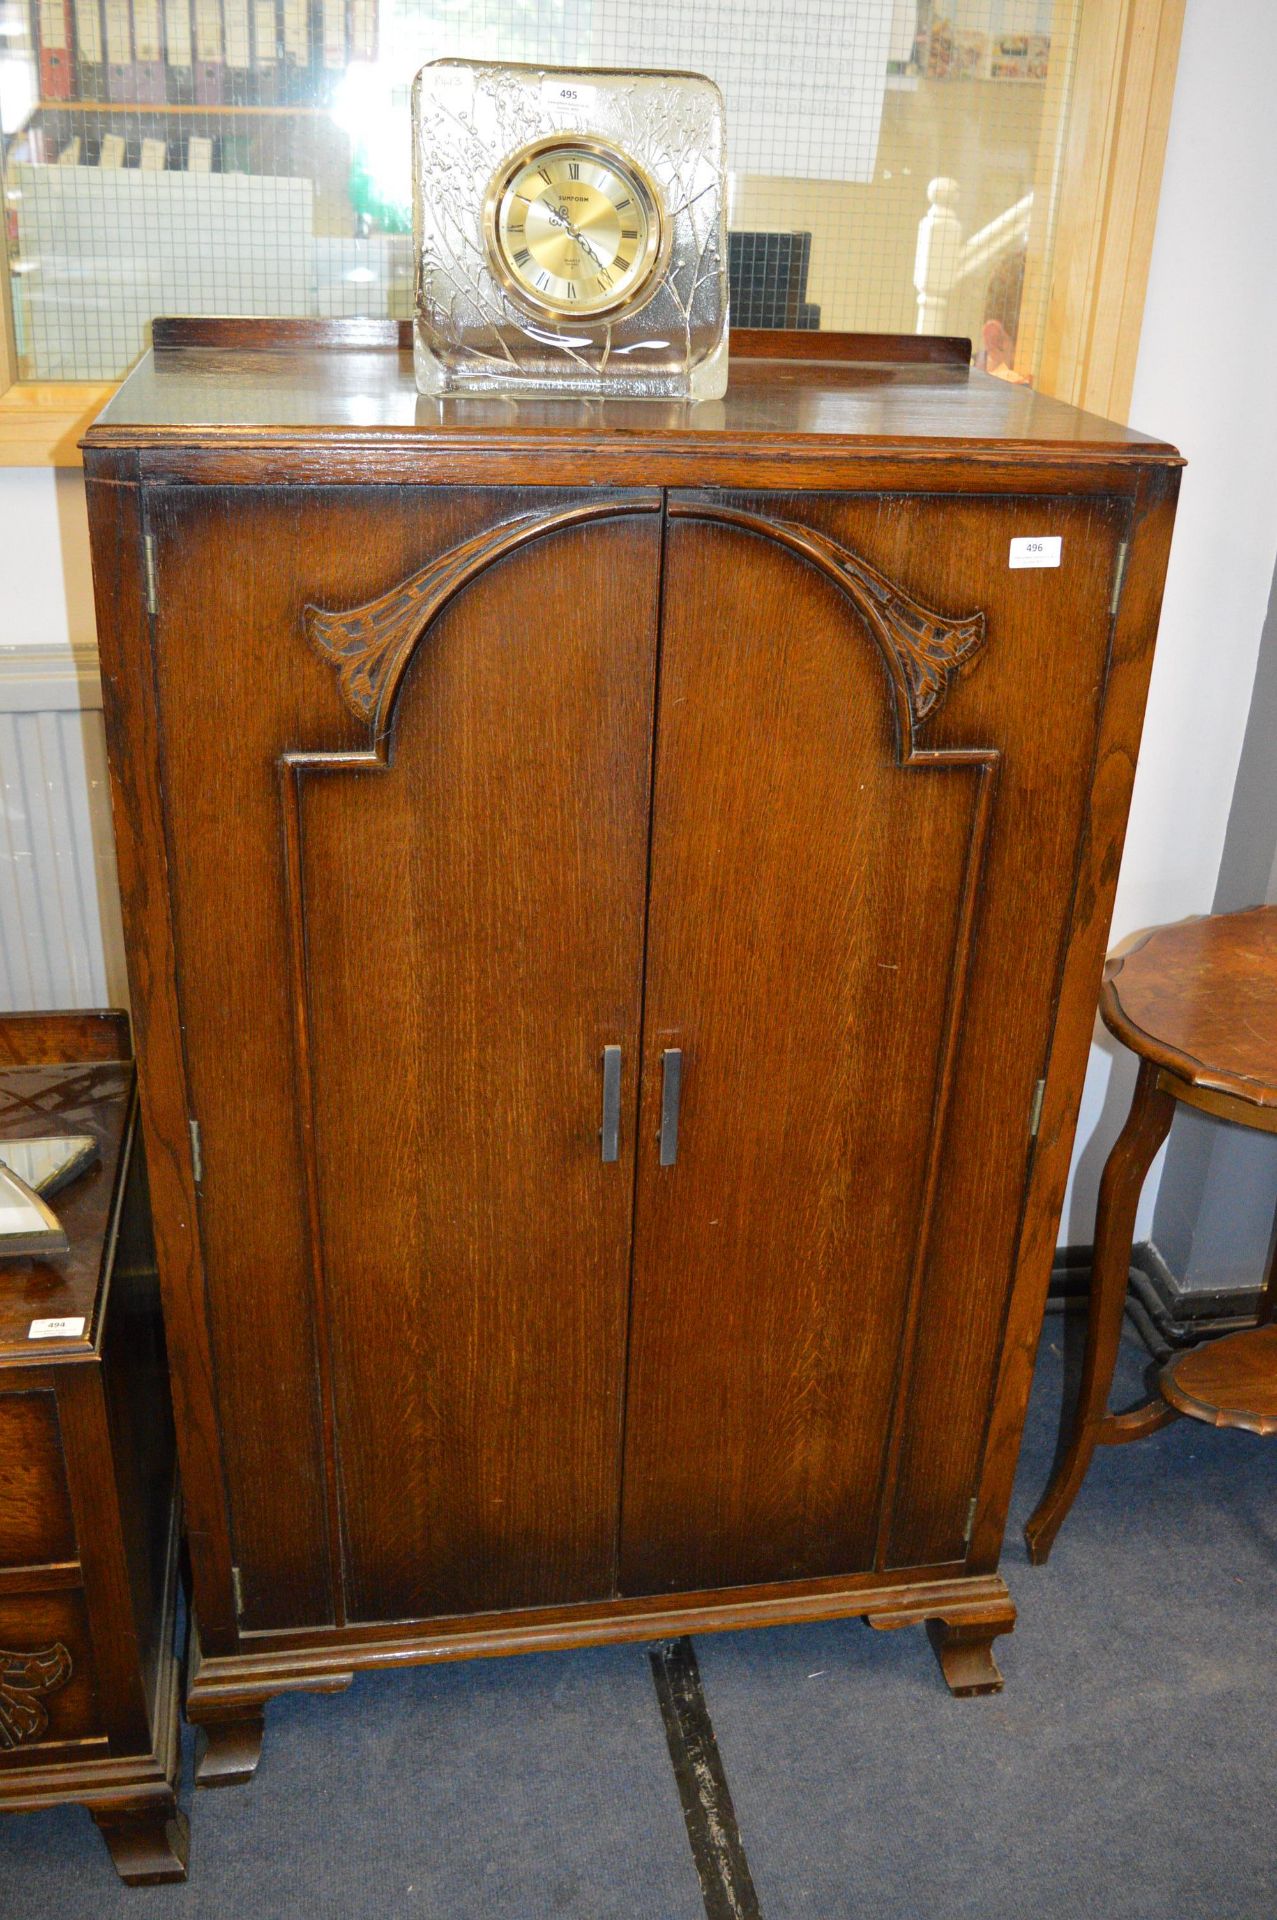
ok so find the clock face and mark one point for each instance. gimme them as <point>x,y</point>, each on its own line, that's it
<point>574,229</point>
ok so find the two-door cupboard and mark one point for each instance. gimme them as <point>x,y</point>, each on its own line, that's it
<point>616,897</point>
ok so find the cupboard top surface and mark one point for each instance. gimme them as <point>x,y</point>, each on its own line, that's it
<point>237,393</point>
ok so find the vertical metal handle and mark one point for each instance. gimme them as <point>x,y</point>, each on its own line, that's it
<point>610,1131</point>
<point>671,1088</point>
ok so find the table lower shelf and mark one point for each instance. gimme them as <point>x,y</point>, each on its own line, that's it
<point>1227,1383</point>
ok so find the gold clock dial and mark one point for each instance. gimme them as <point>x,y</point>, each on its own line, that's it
<point>574,229</point>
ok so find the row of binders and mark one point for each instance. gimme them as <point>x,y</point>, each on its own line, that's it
<point>203,52</point>
<point>153,157</point>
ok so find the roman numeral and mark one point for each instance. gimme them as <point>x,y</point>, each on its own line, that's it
<point>605,278</point>
<point>621,205</point>
<point>518,226</point>
<point>543,281</point>
<point>629,233</point>
<point>574,169</point>
<point>622,264</point>
<point>571,289</point>
<point>544,175</point>
<point>522,257</point>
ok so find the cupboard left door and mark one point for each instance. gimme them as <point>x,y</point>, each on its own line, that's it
<point>405,739</point>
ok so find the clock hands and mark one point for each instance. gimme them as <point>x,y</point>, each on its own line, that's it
<point>560,219</point>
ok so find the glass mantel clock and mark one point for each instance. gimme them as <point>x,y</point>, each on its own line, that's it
<point>570,231</point>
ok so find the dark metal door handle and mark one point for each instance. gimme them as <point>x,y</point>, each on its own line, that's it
<point>671,1088</point>
<point>610,1131</point>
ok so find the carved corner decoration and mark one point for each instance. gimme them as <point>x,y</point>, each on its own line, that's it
<point>24,1677</point>
<point>924,650</point>
<point>371,645</point>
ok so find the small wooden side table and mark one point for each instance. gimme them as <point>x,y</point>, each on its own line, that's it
<point>88,1496</point>
<point>1198,1003</point>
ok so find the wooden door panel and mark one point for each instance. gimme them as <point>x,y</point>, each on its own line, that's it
<point>807,943</point>
<point>398,928</point>
<point>867,808</point>
<point>473,928</point>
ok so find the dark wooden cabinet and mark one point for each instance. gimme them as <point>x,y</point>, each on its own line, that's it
<point>88,1496</point>
<point>458,746</point>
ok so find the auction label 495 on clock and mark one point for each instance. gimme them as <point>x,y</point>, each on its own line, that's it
<point>567,93</point>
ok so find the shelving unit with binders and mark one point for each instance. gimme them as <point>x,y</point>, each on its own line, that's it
<point>186,155</point>
<point>235,54</point>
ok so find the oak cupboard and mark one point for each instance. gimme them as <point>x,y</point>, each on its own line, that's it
<point>89,1680</point>
<point>616,897</point>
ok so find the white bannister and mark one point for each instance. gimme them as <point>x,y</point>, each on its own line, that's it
<point>944,260</point>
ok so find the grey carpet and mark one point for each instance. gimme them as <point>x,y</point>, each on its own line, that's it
<point>1127,1773</point>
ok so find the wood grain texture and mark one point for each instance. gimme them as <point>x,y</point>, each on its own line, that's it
<point>88,1511</point>
<point>1227,1383</point>
<point>1135,603</point>
<point>211,413</point>
<point>52,1039</point>
<point>228,1688</point>
<point>501,970</point>
<point>1147,1125</point>
<point>747,343</point>
<point>1200,999</point>
<point>35,1507</point>
<point>128,698</point>
<point>122,1701</point>
<point>370,646</point>
<point>1197,1003</point>
<point>773,1262</point>
<point>406,915</point>
<point>491,882</point>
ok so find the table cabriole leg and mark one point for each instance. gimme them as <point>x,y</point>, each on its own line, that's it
<point>1147,1125</point>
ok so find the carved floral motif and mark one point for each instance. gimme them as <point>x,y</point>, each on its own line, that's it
<point>24,1677</point>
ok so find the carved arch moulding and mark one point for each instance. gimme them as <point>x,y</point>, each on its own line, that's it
<point>371,645</point>
<point>923,650</point>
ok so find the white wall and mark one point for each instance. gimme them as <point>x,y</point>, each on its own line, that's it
<point>46,590</point>
<point>1204,380</point>
<point>60,938</point>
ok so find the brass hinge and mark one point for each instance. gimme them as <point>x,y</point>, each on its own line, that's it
<point>197,1151</point>
<point>152,599</point>
<point>969,1529</point>
<point>1035,1109</point>
<point>1119,574</point>
<point>237,1591</point>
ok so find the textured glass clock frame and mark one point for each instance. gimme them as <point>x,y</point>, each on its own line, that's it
<point>475,331</point>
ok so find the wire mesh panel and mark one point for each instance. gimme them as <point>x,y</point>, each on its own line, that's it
<point>893,162</point>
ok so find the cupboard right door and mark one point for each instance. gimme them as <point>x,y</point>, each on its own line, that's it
<point>874,747</point>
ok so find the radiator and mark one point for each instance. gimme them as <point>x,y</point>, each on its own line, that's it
<point>60,939</point>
